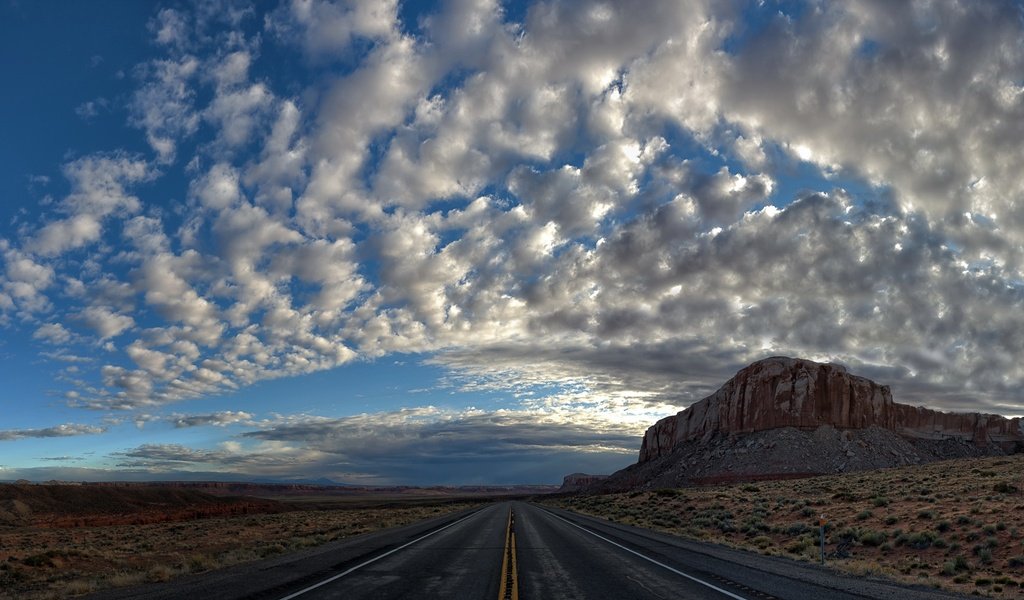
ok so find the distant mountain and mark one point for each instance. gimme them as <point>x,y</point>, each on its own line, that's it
<point>785,417</point>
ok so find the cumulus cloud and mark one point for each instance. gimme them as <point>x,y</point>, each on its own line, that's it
<point>98,189</point>
<point>105,322</point>
<point>235,113</point>
<point>53,333</point>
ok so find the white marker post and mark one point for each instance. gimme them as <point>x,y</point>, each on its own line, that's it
<point>821,525</point>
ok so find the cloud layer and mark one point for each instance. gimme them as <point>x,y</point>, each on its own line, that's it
<point>629,200</point>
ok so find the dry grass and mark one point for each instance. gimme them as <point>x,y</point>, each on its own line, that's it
<point>956,525</point>
<point>39,562</point>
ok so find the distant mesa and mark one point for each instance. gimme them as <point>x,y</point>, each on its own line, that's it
<point>575,482</point>
<point>787,417</point>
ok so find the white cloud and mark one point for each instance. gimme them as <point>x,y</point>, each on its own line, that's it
<point>53,333</point>
<point>233,69</point>
<point>164,107</point>
<point>236,113</point>
<point>60,236</point>
<point>104,322</point>
<point>326,28</point>
<point>97,191</point>
<point>218,188</point>
<point>281,167</point>
<point>175,299</point>
<point>25,282</point>
<point>170,27</point>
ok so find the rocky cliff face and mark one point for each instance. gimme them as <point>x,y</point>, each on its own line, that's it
<point>782,392</point>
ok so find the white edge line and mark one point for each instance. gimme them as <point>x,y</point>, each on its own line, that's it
<point>376,558</point>
<point>649,559</point>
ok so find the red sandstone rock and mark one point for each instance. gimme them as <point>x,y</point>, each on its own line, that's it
<point>791,392</point>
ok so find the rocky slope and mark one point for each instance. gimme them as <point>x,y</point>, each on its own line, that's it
<point>790,392</point>
<point>789,417</point>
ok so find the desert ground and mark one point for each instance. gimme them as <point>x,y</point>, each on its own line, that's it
<point>957,525</point>
<point>61,541</point>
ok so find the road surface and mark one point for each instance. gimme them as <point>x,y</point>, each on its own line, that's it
<point>515,550</point>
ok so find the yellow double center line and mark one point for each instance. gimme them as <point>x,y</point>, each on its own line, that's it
<point>509,588</point>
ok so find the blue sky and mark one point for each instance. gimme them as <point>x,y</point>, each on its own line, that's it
<point>484,242</point>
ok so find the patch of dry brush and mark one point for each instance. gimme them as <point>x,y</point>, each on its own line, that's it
<point>44,562</point>
<point>956,525</point>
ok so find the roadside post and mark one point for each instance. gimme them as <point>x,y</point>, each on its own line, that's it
<point>821,525</point>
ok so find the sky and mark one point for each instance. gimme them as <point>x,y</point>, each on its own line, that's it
<point>482,242</point>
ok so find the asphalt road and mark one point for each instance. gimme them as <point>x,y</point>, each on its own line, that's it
<point>543,553</point>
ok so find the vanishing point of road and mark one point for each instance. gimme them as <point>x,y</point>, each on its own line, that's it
<point>513,550</point>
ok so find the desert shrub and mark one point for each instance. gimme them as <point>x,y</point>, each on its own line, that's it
<point>798,528</point>
<point>872,538</point>
<point>78,587</point>
<point>667,492</point>
<point>963,520</point>
<point>762,541</point>
<point>751,488</point>
<point>1005,488</point>
<point>926,514</point>
<point>982,581</point>
<point>798,546</point>
<point>880,501</point>
<point>200,562</point>
<point>942,526</point>
<point>754,525</point>
<point>1016,561</point>
<point>891,520</point>
<point>864,514</point>
<point>956,565</point>
<point>919,540</point>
